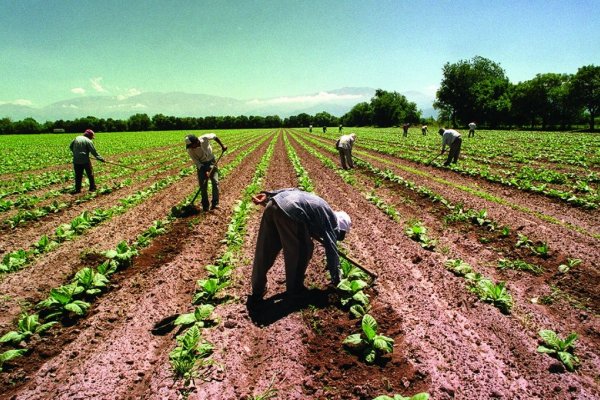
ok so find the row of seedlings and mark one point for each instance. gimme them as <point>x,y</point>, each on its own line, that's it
<point>368,343</point>
<point>486,290</point>
<point>192,351</point>
<point>68,302</point>
<point>18,259</point>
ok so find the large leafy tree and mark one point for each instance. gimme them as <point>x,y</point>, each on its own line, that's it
<point>474,90</point>
<point>543,100</point>
<point>392,108</point>
<point>360,115</point>
<point>585,90</point>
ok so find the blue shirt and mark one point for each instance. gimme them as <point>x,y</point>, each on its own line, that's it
<point>318,216</point>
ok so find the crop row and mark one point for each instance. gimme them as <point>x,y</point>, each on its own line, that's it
<point>483,287</point>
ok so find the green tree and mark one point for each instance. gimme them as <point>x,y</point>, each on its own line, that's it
<point>585,91</point>
<point>392,108</point>
<point>28,125</point>
<point>475,89</point>
<point>360,115</point>
<point>139,122</point>
<point>323,118</point>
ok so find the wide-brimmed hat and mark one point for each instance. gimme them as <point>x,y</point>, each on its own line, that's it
<point>344,221</point>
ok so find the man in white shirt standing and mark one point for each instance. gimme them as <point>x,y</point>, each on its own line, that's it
<point>472,127</point>
<point>451,138</point>
<point>201,153</point>
<point>344,146</point>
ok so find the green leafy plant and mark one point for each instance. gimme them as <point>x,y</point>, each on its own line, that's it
<point>219,271</point>
<point>122,255</point>
<point>541,250</point>
<point>523,241</point>
<point>14,261</point>
<point>44,245</point>
<point>62,302</point>
<point>505,231</point>
<point>368,342</point>
<point>519,265</point>
<point>63,233</point>
<point>352,291</point>
<point>91,281</point>
<point>27,326</point>
<point>571,263</point>
<point>562,349</point>
<point>417,232</point>
<point>496,294</point>
<point>458,267</point>
<point>418,396</point>
<point>10,355</point>
<point>201,317</point>
<point>190,350</point>
<point>208,289</point>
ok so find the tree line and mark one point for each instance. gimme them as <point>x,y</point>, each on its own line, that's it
<point>475,90</point>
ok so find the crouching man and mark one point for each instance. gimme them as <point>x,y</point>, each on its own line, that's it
<point>291,219</point>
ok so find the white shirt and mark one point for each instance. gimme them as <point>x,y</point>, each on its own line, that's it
<point>346,141</point>
<point>203,153</point>
<point>449,137</point>
<point>472,125</point>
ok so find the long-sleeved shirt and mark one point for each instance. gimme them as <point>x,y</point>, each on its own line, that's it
<point>449,137</point>
<point>318,216</point>
<point>81,147</point>
<point>203,153</point>
<point>346,141</point>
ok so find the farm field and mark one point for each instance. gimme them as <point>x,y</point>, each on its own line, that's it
<point>473,261</point>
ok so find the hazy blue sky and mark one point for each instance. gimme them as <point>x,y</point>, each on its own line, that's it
<point>55,50</point>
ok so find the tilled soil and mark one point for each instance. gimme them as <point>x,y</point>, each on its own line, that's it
<point>447,342</point>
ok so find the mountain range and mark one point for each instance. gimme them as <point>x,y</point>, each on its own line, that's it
<point>179,104</point>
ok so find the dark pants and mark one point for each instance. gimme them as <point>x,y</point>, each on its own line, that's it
<point>79,168</point>
<point>346,157</point>
<point>278,231</point>
<point>203,182</point>
<point>454,151</point>
<point>471,133</point>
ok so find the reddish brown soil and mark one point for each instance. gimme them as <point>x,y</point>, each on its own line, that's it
<point>446,342</point>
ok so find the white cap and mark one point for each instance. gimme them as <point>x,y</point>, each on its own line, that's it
<point>343,220</point>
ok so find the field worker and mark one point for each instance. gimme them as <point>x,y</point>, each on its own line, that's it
<point>424,130</point>
<point>344,145</point>
<point>291,218</point>
<point>472,127</point>
<point>451,138</point>
<point>405,129</point>
<point>310,128</point>
<point>324,129</point>
<point>201,154</point>
<point>340,128</point>
<point>81,147</point>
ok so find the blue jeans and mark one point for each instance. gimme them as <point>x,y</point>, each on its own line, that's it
<point>203,182</point>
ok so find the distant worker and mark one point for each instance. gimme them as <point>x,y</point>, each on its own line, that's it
<point>451,138</point>
<point>424,130</point>
<point>81,147</point>
<point>291,219</point>
<point>201,153</point>
<point>472,127</point>
<point>310,128</point>
<point>405,129</point>
<point>324,129</point>
<point>340,128</point>
<point>344,145</point>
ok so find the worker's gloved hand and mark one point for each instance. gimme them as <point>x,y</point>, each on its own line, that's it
<point>224,148</point>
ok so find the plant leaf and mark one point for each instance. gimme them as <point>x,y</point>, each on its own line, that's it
<point>353,340</point>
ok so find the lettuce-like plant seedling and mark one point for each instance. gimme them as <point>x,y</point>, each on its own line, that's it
<point>519,265</point>
<point>27,326</point>
<point>44,245</point>
<point>369,342</point>
<point>418,396</point>
<point>562,349</point>
<point>201,317</point>
<point>220,272</point>
<point>523,241</point>
<point>92,282</point>
<point>208,289</point>
<point>191,348</point>
<point>571,263</point>
<point>353,291</point>
<point>458,266</point>
<point>123,254</point>
<point>62,302</point>
<point>10,355</point>
<point>107,268</point>
<point>64,233</point>
<point>495,294</point>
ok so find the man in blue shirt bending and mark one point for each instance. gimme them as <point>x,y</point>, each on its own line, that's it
<point>291,219</point>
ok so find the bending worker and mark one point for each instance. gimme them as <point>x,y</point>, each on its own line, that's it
<point>451,138</point>
<point>291,218</point>
<point>202,155</point>
<point>81,147</point>
<point>344,146</point>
